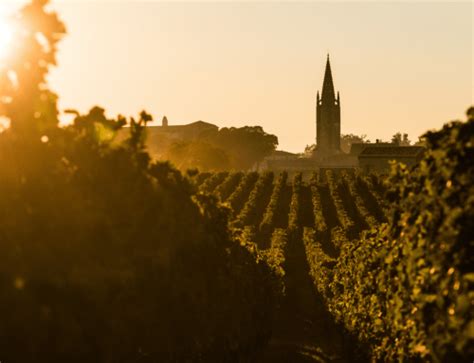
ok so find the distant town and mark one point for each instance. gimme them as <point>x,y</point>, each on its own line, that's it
<point>327,152</point>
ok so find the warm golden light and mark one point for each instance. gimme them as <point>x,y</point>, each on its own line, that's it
<point>6,35</point>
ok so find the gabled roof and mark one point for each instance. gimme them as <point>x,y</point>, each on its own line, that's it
<point>392,151</point>
<point>358,147</point>
<point>283,153</point>
<point>201,124</point>
<point>193,125</point>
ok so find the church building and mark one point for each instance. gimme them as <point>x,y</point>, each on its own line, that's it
<point>328,118</point>
<point>328,153</point>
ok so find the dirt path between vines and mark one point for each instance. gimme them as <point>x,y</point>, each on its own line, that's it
<point>305,331</point>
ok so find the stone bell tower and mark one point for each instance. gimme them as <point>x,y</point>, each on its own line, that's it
<point>328,117</point>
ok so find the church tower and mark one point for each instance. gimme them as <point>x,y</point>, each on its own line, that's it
<point>328,117</point>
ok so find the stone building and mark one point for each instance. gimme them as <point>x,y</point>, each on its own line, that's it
<point>328,118</point>
<point>183,132</point>
<point>357,148</point>
<point>377,158</point>
<point>328,153</point>
<point>160,137</point>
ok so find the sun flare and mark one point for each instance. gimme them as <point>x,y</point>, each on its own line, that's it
<point>6,35</point>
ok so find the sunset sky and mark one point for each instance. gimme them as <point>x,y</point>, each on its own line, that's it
<point>400,66</point>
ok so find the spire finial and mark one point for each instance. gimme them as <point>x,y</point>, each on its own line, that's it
<point>328,93</point>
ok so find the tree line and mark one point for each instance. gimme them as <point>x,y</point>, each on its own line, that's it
<point>234,148</point>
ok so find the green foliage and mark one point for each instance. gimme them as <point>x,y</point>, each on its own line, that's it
<point>245,145</point>
<point>355,203</point>
<point>109,257</point>
<point>320,264</point>
<point>239,196</point>
<point>228,185</point>
<point>200,178</point>
<point>375,203</point>
<point>434,226</point>
<point>319,222</point>
<point>348,139</point>
<point>268,220</point>
<point>255,204</point>
<point>197,154</point>
<point>96,246</point>
<point>24,97</point>
<point>210,184</point>
<point>295,208</point>
<point>138,132</point>
<point>228,148</point>
<point>106,256</point>
<point>275,255</point>
<point>400,140</point>
<point>96,126</point>
<point>406,289</point>
<point>344,220</point>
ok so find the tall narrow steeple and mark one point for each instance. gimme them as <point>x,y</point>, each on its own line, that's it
<point>328,117</point>
<point>328,93</point>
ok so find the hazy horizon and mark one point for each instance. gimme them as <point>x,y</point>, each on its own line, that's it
<point>398,66</point>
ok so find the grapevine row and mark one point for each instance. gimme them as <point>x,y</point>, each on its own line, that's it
<point>369,219</point>
<point>228,185</point>
<point>276,253</point>
<point>200,178</point>
<point>343,217</point>
<point>239,196</point>
<point>319,221</point>
<point>378,202</point>
<point>212,182</point>
<point>293,217</point>
<point>320,264</point>
<point>255,203</point>
<point>268,221</point>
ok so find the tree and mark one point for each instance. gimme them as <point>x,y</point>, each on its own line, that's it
<point>401,140</point>
<point>227,148</point>
<point>245,145</point>
<point>96,125</point>
<point>24,96</point>
<point>470,112</point>
<point>309,150</point>
<point>197,154</point>
<point>348,139</point>
<point>421,141</point>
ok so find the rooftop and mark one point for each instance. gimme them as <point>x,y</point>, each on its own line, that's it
<point>392,151</point>
<point>358,147</point>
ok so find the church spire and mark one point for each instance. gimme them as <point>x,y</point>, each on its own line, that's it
<point>327,94</point>
<point>328,117</point>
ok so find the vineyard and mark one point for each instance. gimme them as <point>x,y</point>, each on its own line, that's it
<point>301,224</point>
<point>375,268</point>
<point>109,255</point>
<point>330,203</point>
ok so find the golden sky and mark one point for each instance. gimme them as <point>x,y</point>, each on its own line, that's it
<point>399,66</point>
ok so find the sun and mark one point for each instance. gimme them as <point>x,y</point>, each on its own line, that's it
<point>6,35</point>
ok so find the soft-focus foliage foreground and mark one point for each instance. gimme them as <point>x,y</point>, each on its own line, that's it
<point>107,257</point>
